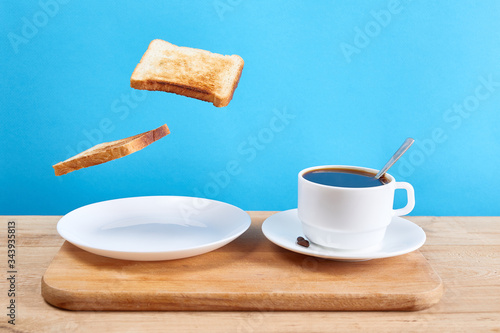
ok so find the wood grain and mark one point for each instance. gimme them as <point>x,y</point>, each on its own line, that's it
<point>250,273</point>
<point>470,302</point>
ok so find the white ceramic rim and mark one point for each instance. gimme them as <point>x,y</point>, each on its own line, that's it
<point>371,188</point>
<point>69,238</point>
<point>337,254</point>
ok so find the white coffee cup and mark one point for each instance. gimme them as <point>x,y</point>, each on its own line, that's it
<point>347,217</point>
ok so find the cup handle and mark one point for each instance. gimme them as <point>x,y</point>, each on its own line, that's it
<point>410,195</point>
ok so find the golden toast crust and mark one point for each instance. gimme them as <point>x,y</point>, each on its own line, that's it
<point>189,72</point>
<point>108,151</point>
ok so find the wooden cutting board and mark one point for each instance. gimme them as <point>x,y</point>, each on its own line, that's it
<point>250,273</point>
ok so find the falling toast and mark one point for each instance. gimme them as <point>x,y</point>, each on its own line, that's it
<point>189,72</point>
<point>107,151</point>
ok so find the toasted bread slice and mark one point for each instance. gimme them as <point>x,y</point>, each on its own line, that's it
<point>189,72</point>
<point>107,151</point>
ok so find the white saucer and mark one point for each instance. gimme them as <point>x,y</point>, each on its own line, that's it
<point>153,228</point>
<point>402,236</point>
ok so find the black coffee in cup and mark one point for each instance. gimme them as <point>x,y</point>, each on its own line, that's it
<point>345,178</point>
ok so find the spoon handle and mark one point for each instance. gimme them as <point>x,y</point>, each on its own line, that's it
<point>404,147</point>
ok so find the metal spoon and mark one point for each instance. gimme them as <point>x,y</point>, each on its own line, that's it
<point>404,147</point>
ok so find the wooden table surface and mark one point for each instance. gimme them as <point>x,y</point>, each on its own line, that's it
<point>464,251</point>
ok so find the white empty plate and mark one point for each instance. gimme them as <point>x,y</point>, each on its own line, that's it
<point>402,236</point>
<point>154,227</point>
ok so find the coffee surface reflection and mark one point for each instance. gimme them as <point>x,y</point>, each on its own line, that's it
<point>344,178</point>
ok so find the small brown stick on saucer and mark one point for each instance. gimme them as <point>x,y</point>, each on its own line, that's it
<point>190,72</point>
<point>107,151</point>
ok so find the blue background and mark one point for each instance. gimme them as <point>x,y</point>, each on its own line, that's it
<point>354,78</point>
